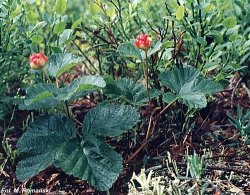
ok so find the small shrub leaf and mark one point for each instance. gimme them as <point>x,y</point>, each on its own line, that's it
<point>61,6</point>
<point>229,22</point>
<point>180,12</point>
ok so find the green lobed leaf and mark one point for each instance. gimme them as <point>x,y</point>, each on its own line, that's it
<point>110,120</point>
<point>129,91</point>
<point>60,63</point>
<point>95,162</point>
<point>42,95</point>
<point>194,100</point>
<point>176,79</point>
<point>189,86</point>
<point>169,97</point>
<point>206,86</point>
<point>41,142</point>
<point>81,86</point>
<point>51,140</point>
<point>46,95</point>
<point>129,50</point>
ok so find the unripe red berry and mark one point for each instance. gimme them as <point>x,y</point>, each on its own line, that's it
<point>38,61</point>
<point>143,42</point>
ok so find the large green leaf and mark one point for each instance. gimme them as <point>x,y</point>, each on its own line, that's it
<point>82,86</point>
<point>110,120</point>
<point>194,100</point>
<point>95,162</point>
<point>40,143</point>
<point>177,78</point>
<point>46,95</point>
<point>189,86</point>
<point>60,63</point>
<point>129,91</point>
<point>129,50</point>
<point>51,140</point>
<point>42,95</point>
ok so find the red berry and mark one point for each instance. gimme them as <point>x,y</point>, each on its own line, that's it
<point>143,42</point>
<point>38,61</point>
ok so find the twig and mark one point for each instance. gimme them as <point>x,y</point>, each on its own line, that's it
<point>119,9</point>
<point>233,92</point>
<point>151,27</point>
<point>144,143</point>
<point>99,37</point>
<point>77,121</point>
<point>165,142</point>
<point>173,33</point>
<point>203,122</point>
<point>80,50</point>
<point>164,109</point>
<point>178,45</point>
<point>246,89</point>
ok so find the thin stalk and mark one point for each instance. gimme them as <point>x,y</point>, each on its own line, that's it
<point>146,76</point>
<point>82,52</point>
<point>46,75</point>
<point>67,108</point>
<point>64,104</point>
<point>164,109</point>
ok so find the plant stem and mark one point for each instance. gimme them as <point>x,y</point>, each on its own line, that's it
<point>144,143</point>
<point>146,76</point>
<point>164,109</point>
<point>46,75</point>
<point>67,110</point>
<point>64,104</point>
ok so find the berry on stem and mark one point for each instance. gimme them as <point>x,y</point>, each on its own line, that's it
<point>143,42</point>
<point>38,61</point>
